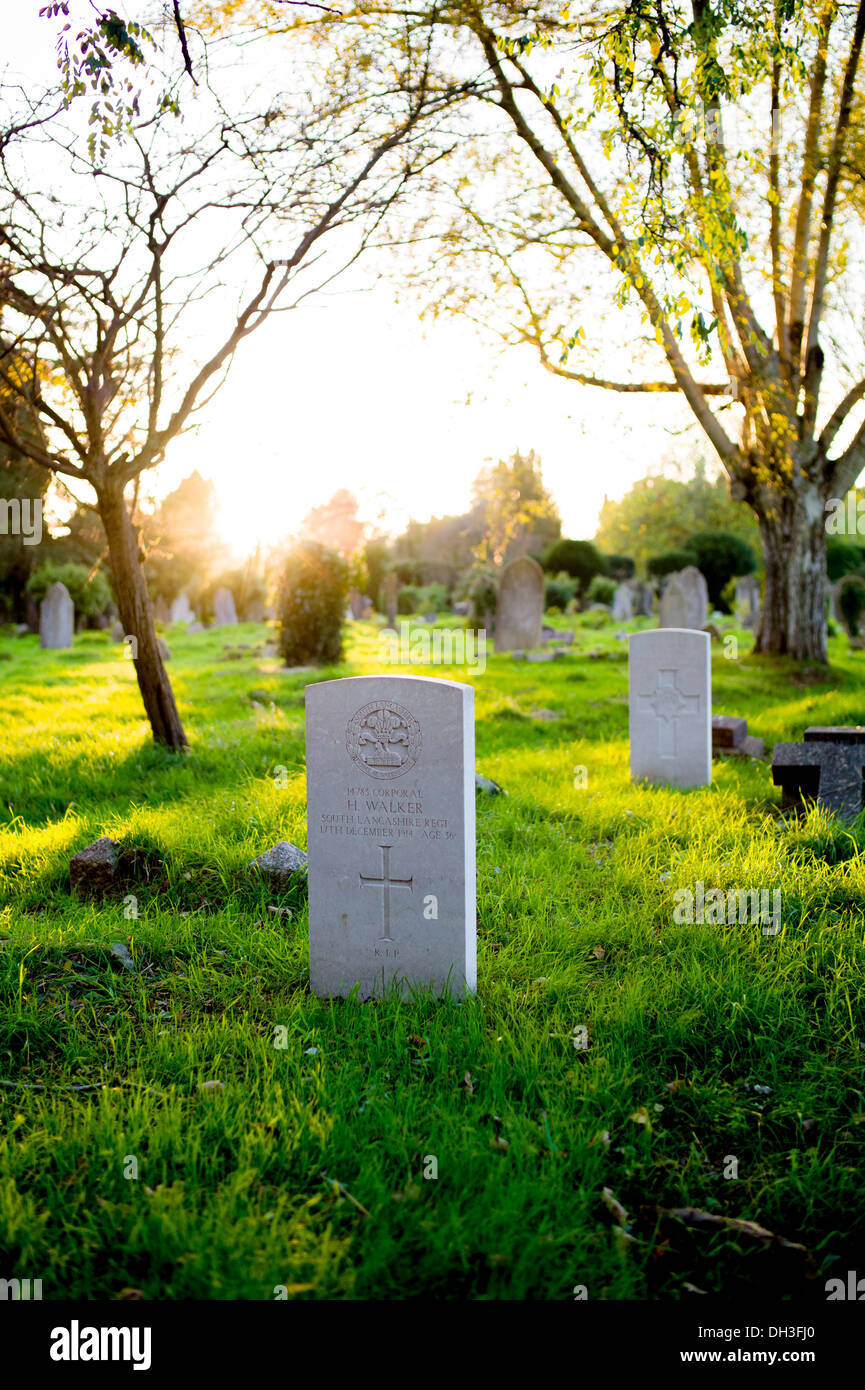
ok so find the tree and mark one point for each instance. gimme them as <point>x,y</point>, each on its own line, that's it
<point>660,514</point>
<point>720,558</point>
<point>611,165</point>
<point>181,543</point>
<point>335,524</point>
<point>107,271</point>
<point>579,559</point>
<point>518,514</point>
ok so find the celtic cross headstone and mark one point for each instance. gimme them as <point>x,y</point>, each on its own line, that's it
<point>670,703</point>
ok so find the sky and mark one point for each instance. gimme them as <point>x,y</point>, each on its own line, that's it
<point>403,412</point>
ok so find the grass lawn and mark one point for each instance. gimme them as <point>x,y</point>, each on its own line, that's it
<point>281,1142</point>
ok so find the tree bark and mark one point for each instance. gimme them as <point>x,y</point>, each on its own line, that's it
<point>793,534</point>
<point>133,603</point>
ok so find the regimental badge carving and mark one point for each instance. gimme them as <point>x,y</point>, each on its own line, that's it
<point>383,739</point>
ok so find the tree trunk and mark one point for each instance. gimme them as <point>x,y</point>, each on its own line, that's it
<point>793,533</point>
<point>133,602</point>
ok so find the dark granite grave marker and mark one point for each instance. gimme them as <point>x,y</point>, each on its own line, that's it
<point>828,767</point>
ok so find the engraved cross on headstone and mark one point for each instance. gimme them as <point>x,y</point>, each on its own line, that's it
<point>385,883</point>
<point>668,705</point>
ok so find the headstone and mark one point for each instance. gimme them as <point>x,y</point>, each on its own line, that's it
<point>430,617</point>
<point>623,601</point>
<point>254,611</point>
<point>32,613</point>
<point>684,600</point>
<point>461,609</point>
<point>828,768</point>
<point>644,598</point>
<point>194,628</point>
<point>356,603</point>
<point>390,587</point>
<point>224,611</point>
<point>670,706</point>
<point>487,786</point>
<point>164,649</point>
<point>747,600</point>
<point>547,634</point>
<point>161,611</point>
<point>520,606</point>
<point>181,610</point>
<point>56,618</point>
<point>391,835</point>
<point>117,633</point>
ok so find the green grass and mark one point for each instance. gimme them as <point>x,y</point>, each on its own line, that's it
<point>303,1165</point>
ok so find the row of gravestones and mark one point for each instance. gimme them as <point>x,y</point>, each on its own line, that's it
<point>684,603</point>
<point>57,616</point>
<point>391,785</point>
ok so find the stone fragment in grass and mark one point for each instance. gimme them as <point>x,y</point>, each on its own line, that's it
<point>94,870</point>
<point>540,656</point>
<point>488,787</point>
<point>728,731</point>
<point>279,864</point>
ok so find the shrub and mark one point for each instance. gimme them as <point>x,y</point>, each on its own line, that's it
<point>432,598</point>
<point>619,567</point>
<point>578,559</point>
<point>851,601</point>
<point>720,557</point>
<point>669,563</point>
<point>313,592</point>
<point>89,595</point>
<point>842,557</point>
<point>408,599</point>
<point>559,590</point>
<point>601,590</point>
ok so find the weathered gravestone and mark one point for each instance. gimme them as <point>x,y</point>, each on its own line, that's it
<point>623,603</point>
<point>224,611</point>
<point>670,706</point>
<point>828,768</point>
<point>117,633</point>
<point>390,588</point>
<point>520,605</point>
<point>644,598</point>
<point>181,610</point>
<point>56,618</point>
<point>391,835</point>
<point>684,600</point>
<point>747,601</point>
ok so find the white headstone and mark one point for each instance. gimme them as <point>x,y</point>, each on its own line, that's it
<point>181,610</point>
<point>391,835</point>
<point>623,600</point>
<point>670,705</point>
<point>224,612</point>
<point>56,618</point>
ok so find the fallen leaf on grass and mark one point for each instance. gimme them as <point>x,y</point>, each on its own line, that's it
<point>470,1090</point>
<point>641,1116</point>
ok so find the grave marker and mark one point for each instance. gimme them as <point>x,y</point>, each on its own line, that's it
<point>56,618</point>
<point>520,606</point>
<point>670,707</point>
<point>391,835</point>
